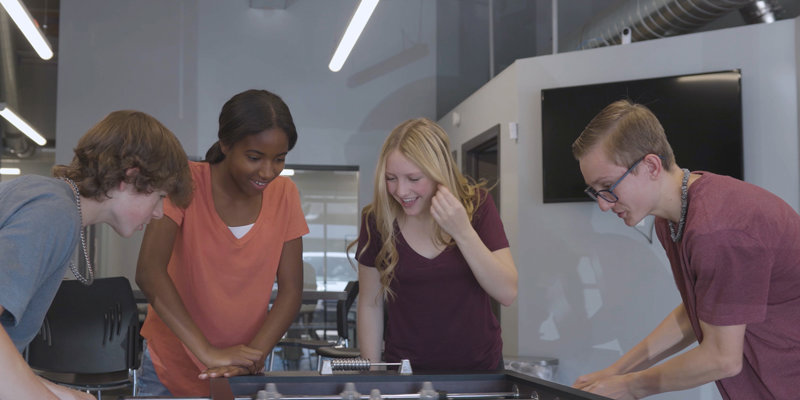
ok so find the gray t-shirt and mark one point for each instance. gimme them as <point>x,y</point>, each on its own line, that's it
<point>39,233</point>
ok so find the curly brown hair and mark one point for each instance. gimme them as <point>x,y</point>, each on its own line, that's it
<point>126,140</point>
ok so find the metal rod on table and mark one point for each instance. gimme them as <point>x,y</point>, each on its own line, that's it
<point>495,395</point>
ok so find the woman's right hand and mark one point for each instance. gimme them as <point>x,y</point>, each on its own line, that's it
<point>238,355</point>
<point>227,372</point>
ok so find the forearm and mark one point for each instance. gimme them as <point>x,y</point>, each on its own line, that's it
<point>287,301</point>
<point>279,319</point>
<point>369,314</point>
<point>369,326</point>
<point>495,271</point>
<point>691,369</point>
<point>65,393</point>
<point>719,356</point>
<point>17,380</point>
<point>165,300</point>
<point>152,277</point>
<point>673,334</point>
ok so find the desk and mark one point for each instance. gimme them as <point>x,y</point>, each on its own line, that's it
<point>311,295</point>
<point>314,296</point>
<point>302,323</point>
<point>308,295</point>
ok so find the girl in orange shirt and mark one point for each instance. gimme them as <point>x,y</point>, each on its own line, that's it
<point>208,270</point>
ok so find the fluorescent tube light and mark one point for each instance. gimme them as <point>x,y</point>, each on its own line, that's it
<point>357,24</point>
<point>23,126</point>
<point>9,171</point>
<point>20,15</point>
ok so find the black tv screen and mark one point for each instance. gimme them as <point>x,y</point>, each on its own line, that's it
<point>701,115</point>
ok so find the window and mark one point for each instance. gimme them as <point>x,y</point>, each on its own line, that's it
<point>329,197</point>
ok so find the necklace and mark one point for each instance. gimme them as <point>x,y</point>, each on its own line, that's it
<point>89,278</point>
<point>676,236</point>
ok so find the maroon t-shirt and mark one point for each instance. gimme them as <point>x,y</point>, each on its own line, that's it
<point>739,263</point>
<point>440,318</point>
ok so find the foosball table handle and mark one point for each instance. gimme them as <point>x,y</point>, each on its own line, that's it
<point>360,364</point>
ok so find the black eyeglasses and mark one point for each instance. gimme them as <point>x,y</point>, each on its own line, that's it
<point>608,194</point>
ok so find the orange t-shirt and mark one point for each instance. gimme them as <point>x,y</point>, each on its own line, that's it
<point>224,282</point>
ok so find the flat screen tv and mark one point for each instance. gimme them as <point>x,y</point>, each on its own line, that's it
<point>701,115</point>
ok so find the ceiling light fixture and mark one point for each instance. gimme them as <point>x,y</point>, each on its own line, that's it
<point>20,15</point>
<point>22,125</point>
<point>357,24</point>
<point>10,171</point>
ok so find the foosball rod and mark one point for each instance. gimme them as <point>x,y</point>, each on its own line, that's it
<point>495,395</point>
<point>356,364</point>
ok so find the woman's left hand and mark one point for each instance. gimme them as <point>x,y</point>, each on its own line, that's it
<point>449,213</point>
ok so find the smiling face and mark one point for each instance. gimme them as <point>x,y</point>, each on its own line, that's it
<point>255,160</point>
<point>600,173</point>
<point>408,185</point>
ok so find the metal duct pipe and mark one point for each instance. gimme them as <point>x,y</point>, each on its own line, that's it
<point>650,19</point>
<point>761,11</point>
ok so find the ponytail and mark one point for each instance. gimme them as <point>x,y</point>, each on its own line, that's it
<point>214,153</point>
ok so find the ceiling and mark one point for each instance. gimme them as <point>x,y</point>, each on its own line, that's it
<point>35,79</point>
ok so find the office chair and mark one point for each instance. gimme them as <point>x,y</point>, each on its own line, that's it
<point>341,348</point>
<point>89,339</point>
<point>308,307</point>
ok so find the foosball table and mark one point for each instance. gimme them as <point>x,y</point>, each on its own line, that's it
<point>392,385</point>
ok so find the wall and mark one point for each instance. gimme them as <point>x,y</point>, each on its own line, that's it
<point>181,60</point>
<point>495,103</point>
<point>591,288</point>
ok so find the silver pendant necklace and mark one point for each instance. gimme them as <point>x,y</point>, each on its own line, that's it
<point>89,278</point>
<point>676,236</point>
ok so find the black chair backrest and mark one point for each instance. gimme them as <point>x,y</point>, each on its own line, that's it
<point>343,308</point>
<point>89,329</point>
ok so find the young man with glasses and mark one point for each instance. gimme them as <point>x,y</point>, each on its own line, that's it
<point>734,249</point>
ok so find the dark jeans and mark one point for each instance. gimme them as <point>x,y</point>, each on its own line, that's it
<point>149,384</point>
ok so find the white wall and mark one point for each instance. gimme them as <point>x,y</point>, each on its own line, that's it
<point>591,288</point>
<point>181,60</point>
<point>495,103</point>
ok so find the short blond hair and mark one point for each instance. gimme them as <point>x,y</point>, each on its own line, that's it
<point>627,131</point>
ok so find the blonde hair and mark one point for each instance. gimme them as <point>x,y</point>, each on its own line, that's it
<point>425,144</point>
<point>627,131</point>
<point>128,139</point>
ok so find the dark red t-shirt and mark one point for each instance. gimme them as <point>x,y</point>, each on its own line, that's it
<point>739,263</point>
<point>440,318</point>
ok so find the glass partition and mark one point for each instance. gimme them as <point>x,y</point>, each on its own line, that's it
<point>329,197</point>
